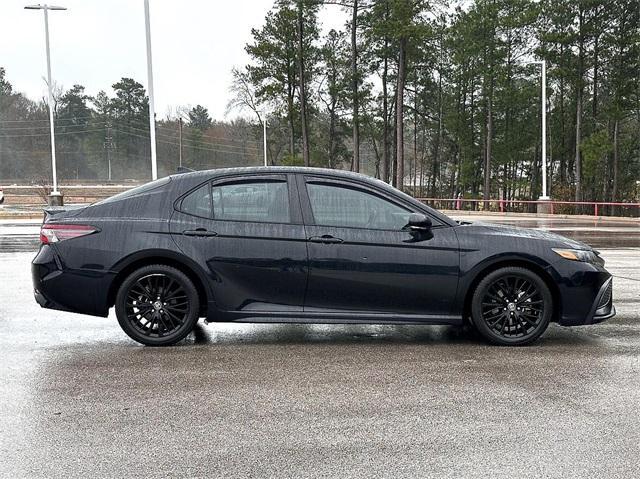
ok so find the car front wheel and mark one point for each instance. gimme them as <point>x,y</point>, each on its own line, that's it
<point>157,305</point>
<point>511,306</point>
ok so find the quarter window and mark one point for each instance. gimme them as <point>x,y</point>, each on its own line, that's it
<point>198,202</point>
<point>334,205</point>
<point>260,201</point>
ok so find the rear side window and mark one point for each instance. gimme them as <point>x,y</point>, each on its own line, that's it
<point>198,202</point>
<point>136,191</point>
<point>258,201</point>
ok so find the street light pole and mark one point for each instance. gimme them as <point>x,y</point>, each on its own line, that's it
<point>544,195</point>
<point>544,131</point>
<point>55,197</point>
<point>152,115</point>
<point>264,138</point>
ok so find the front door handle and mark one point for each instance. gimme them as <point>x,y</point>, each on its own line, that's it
<point>202,232</point>
<point>326,239</point>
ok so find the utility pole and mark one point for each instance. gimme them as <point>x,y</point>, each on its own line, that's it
<point>180,130</point>
<point>152,114</point>
<point>55,198</point>
<point>108,146</point>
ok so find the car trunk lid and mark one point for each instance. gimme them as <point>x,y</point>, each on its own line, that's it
<point>56,213</point>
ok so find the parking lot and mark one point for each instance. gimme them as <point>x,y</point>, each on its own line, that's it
<point>80,399</point>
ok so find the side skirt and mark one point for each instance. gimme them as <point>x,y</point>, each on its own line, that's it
<point>316,317</point>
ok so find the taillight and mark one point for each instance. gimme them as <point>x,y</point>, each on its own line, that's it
<point>53,233</point>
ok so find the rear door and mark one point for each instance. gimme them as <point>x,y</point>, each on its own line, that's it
<point>247,233</point>
<point>363,259</point>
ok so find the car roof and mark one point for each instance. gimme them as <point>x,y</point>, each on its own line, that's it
<point>278,169</point>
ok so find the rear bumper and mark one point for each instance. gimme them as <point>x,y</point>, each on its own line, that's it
<point>47,303</point>
<point>77,291</point>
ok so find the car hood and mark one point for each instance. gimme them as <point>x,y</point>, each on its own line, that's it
<point>490,229</point>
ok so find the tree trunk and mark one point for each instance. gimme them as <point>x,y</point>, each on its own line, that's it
<point>578,157</point>
<point>302,81</point>
<point>332,133</point>
<point>435,172</point>
<point>385,120</point>
<point>511,161</point>
<point>461,99</point>
<point>474,188</point>
<point>354,73</point>
<point>394,158</point>
<point>488,147</point>
<point>415,137</point>
<point>422,135</point>
<point>578,162</point>
<point>563,134</point>
<point>290,120</point>
<point>400,113</point>
<point>596,51</point>
<point>614,186</point>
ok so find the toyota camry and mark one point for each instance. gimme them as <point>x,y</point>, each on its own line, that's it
<point>307,245</point>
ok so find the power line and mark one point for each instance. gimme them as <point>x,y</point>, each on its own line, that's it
<point>12,128</point>
<point>197,142</point>
<point>200,142</point>
<point>96,117</point>
<point>216,150</point>
<point>47,121</point>
<point>200,145</point>
<point>186,139</point>
<point>47,134</point>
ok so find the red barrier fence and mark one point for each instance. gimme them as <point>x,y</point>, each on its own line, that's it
<point>597,208</point>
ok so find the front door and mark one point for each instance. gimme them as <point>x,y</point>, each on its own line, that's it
<point>248,236</point>
<point>363,259</point>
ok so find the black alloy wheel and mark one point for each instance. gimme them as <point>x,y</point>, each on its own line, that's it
<point>512,306</point>
<point>157,305</point>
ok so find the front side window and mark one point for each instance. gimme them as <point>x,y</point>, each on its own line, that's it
<point>261,201</point>
<point>334,205</point>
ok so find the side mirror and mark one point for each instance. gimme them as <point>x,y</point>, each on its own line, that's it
<point>419,222</point>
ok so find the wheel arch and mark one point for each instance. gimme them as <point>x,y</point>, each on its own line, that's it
<point>169,258</point>
<point>518,261</point>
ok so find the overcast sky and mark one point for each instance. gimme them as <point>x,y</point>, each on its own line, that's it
<point>95,43</point>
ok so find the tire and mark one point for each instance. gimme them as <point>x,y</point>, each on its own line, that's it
<point>511,306</point>
<point>157,305</point>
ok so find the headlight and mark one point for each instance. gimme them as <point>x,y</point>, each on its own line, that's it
<point>586,256</point>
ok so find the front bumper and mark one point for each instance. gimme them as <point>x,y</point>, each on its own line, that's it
<point>584,293</point>
<point>602,308</point>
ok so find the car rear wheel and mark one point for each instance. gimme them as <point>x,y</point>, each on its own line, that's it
<point>157,305</point>
<point>511,306</point>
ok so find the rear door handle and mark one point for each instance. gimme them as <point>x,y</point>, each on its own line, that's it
<point>326,239</point>
<point>199,232</point>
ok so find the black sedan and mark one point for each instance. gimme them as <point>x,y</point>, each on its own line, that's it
<point>277,245</point>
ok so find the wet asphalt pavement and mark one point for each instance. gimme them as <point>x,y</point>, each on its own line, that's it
<point>79,399</point>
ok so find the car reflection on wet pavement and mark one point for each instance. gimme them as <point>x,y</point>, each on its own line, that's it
<point>80,399</point>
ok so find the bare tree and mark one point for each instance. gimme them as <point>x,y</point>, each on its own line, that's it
<point>243,97</point>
